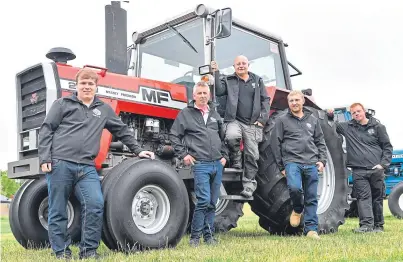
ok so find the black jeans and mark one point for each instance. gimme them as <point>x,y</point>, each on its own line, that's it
<point>64,179</point>
<point>368,186</point>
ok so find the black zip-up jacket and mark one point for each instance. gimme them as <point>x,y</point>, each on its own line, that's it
<point>72,131</point>
<point>367,145</point>
<point>229,86</point>
<point>298,140</point>
<point>190,135</point>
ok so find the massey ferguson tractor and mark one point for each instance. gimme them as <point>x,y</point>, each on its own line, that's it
<point>149,203</point>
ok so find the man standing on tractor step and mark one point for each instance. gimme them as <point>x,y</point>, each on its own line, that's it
<point>369,154</point>
<point>246,113</point>
<point>299,148</point>
<point>69,141</point>
<point>197,138</point>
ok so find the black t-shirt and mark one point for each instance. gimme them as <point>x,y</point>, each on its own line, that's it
<point>245,100</point>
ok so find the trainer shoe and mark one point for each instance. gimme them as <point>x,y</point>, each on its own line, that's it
<point>363,229</point>
<point>313,235</point>
<point>295,219</point>
<point>378,229</point>
<point>247,192</point>
<point>194,242</point>
<point>211,241</point>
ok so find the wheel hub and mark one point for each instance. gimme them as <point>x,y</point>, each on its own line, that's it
<point>150,209</point>
<point>43,213</point>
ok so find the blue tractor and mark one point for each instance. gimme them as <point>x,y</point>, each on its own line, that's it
<point>393,182</point>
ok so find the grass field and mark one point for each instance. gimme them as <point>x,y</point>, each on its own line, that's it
<point>249,242</point>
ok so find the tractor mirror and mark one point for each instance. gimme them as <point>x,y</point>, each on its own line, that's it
<point>204,70</point>
<point>307,92</point>
<point>223,24</point>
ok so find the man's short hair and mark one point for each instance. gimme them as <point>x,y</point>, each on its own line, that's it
<point>201,83</point>
<point>357,104</point>
<point>295,93</point>
<point>86,73</point>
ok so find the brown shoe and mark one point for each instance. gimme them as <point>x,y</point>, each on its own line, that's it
<point>313,235</point>
<point>295,219</point>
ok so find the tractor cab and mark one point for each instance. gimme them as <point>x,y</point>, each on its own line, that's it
<point>175,51</point>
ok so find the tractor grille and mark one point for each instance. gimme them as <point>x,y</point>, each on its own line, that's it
<point>33,98</point>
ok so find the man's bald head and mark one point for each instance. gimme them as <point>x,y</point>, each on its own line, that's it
<point>241,65</point>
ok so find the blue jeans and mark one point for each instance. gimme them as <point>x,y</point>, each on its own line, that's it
<point>63,178</point>
<point>304,200</point>
<point>207,181</point>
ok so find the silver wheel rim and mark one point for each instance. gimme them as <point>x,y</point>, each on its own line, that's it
<point>43,213</point>
<point>219,207</point>
<point>151,209</point>
<point>326,185</point>
<point>401,202</point>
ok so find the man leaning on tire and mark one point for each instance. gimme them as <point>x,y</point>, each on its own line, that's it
<point>197,138</point>
<point>69,141</point>
<point>369,153</point>
<point>299,148</point>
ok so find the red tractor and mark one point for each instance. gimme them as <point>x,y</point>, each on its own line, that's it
<point>149,203</point>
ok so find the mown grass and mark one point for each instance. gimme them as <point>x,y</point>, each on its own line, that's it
<point>248,242</point>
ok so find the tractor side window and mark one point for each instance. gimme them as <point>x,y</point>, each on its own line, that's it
<point>166,57</point>
<point>263,54</point>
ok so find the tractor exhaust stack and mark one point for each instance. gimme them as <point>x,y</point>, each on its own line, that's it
<point>116,38</point>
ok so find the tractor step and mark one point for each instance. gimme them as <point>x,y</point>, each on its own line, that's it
<point>236,197</point>
<point>232,170</point>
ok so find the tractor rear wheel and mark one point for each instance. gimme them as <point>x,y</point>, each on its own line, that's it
<point>395,201</point>
<point>147,207</point>
<point>272,201</point>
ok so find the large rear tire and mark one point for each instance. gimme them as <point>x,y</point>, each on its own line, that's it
<point>147,207</point>
<point>395,201</point>
<point>32,211</point>
<point>272,201</point>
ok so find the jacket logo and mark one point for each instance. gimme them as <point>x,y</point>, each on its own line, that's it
<point>253,85</point>
<point>371,131</point>
<point>213,119</point>
<point>96,112</point>
<point>308,125</point>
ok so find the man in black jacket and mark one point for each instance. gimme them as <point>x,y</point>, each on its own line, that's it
<point>199,126</point>
<point>246,113</point>
<point>299,148</point>
<point>69,141</point>
<point>369,153</point>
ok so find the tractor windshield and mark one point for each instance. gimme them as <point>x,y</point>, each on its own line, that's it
<point>167,57</point>
<point>263,55</point>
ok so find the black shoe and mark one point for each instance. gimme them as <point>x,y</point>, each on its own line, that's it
<point>211,241</point>
<point>194,242</point>
<point>247,192</point>
<point>378,229</point>
<point>237,165</point>
<point>363,229</point>
<point>66,256</point>
<point>94,255</point>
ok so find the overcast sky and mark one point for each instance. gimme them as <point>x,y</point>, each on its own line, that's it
<point>348,52</point>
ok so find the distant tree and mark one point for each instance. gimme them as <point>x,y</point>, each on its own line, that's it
<point>8,186</point>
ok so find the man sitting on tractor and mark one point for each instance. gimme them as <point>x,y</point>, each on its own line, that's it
<point>246,113</point>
